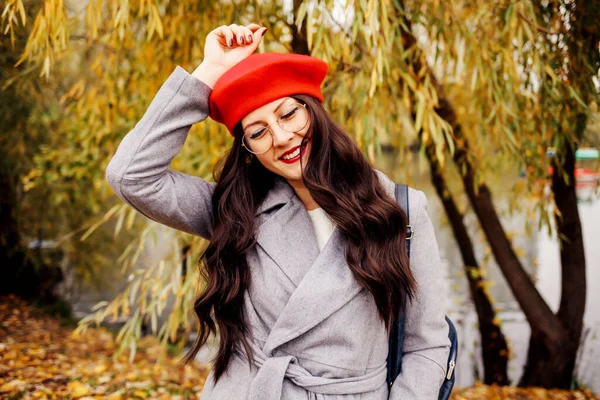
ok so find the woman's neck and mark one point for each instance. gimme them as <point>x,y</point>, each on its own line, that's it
<point>304,195</point>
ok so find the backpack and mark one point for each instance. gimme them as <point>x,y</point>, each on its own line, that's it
<point>396,343</point>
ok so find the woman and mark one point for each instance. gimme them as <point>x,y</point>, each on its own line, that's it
<point>307,263</point>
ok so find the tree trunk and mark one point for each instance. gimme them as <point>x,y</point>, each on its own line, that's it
<point>9,233</point>
<point>547,329</point>
<point>572,253</point>
<point>20,273</point>
<point>573,279</point>
<point>494,350</point>
<point>11,252</point>
<point>584,61</point>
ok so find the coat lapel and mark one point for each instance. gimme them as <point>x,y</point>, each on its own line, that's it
<point>324,289</point>
<point>288,237</point>
<point>286,234</point>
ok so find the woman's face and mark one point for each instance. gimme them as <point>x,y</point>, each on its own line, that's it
<point>283,157</point>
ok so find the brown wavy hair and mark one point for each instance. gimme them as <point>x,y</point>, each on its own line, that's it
<point>342,182</point>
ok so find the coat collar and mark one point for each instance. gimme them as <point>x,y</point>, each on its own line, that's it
<point>285,232</point>
<point>280,194</point>
<point>323,280</point>
<point>326,287</point>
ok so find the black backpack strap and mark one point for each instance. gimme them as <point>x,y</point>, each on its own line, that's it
<point>402,199</point>
<point>396,342</point>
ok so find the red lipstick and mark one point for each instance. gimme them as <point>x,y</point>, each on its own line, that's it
<point>294,159</point>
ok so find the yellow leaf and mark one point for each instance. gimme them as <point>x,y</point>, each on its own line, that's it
<point>46,67</point>
<point>139,393</point>
<point>100,368</point>
<point>159,25</point>
<point>22,12</point>
<point>141,10</point>
<point>14,385</point>
<point>78,389</point>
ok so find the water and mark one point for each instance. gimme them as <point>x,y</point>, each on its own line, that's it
<point>539,253</point>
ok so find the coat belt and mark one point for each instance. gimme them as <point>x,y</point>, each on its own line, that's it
<point>268,382</point>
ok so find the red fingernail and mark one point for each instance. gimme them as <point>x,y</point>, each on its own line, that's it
<point>230,42</point>
<point>263,33</point>
<point>250,39</point>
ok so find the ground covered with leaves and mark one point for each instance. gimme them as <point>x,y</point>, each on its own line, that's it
<point>41,359</point>
<point>514,393</point>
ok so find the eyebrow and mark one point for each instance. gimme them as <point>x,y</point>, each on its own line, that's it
<point>258,122</point>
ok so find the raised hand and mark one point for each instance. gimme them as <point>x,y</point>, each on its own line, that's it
<point>225,46</point>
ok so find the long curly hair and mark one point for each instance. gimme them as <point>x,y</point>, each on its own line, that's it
<point>343,183</point>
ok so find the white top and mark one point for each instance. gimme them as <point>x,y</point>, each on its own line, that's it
<point>322,225</point>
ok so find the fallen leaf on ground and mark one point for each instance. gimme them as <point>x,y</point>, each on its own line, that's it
<point>40,359</point>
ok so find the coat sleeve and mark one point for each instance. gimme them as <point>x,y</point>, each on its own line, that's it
<point>426,343</point>
<point>139,171</point>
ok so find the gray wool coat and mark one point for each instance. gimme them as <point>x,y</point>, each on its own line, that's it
<point>315,332</point>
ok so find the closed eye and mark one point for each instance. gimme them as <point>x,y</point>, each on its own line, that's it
<point>290,114</point>
<point>258,134</point>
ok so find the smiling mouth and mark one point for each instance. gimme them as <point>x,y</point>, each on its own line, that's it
<point>293,154</point>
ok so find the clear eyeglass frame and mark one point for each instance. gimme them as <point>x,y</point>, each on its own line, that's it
<point>270,132</point>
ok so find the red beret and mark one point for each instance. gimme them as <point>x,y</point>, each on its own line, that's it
<point>262,78</point>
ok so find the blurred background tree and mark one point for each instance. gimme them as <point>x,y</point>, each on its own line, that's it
<point>45,202</point>
<point>485,86</point>
<point>24,221</point>
<point>513,56</point>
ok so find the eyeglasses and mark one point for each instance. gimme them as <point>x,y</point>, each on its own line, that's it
<point>259,139</point>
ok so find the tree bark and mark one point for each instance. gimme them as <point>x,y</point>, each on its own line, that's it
<point>11,252</point>
<point>547,330</point>
<point>572,256</point>
<point>582,39</point>
<point>9,235</point>
<point>494,350</point>
<point>549,363</point>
